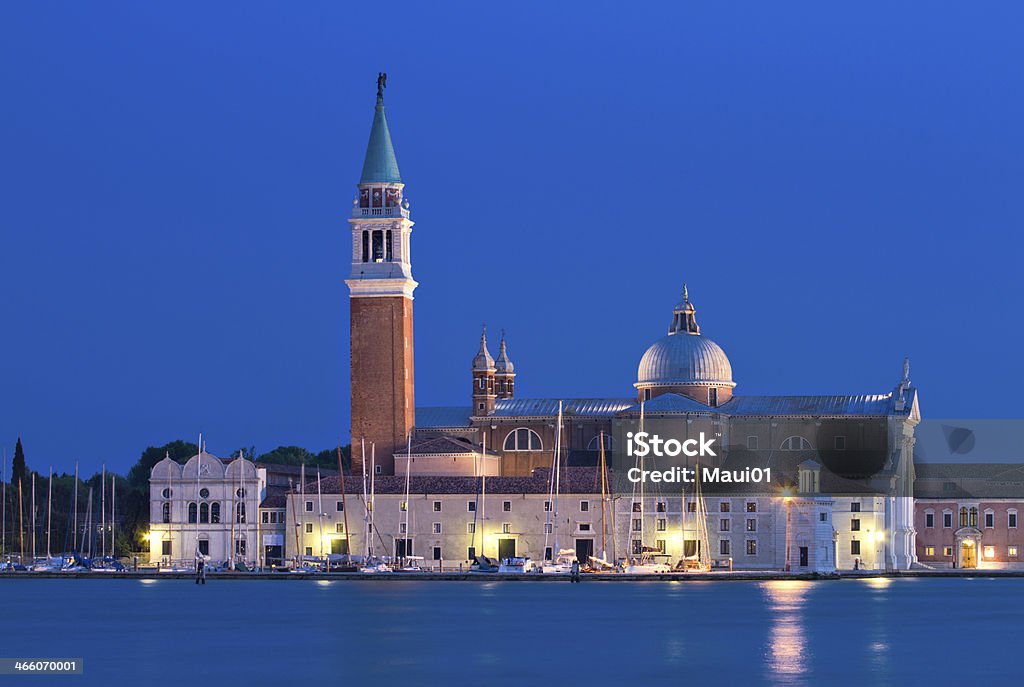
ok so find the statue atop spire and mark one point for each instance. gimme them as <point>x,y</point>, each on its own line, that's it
<point>382,83</point>
<point>686,293</point>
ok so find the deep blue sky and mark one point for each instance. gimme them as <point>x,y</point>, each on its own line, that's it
<point>839,186</point>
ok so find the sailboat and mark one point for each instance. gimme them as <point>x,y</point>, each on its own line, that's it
<point>650,560</point>
<point>561,563</point>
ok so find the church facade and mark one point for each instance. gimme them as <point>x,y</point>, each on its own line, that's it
<point>842,466</point>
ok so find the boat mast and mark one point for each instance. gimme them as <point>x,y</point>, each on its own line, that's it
<point>302,503</point>
<point>103,510</point>
<point>366,507</point>
<point>483,499</point>
<point>49,512</point>
<point>558,477</point>
<point>405,514</point>
<point>113,510</point>
<point>373,494</point>
<point>3,507</point>
<point>643,505</point>
<point>33,517</point>
<point>548,526</point>
<point>21,523</point>
<point>344,507</point>
<point>320,510</point>
<point>199,470</point>
<point>604,497</point>
<point>74,535</point>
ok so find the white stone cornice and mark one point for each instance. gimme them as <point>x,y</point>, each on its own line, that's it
<point>368,288</point>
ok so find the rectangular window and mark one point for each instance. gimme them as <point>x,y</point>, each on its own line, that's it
<point>1011,551</point>
<point>437,528</point>
<point>947,550</point>
<point>506,528</point>
<point>637,507</point>
<point>989,552</point>
<point>713,397</point>
<point>638,547</point>
<point>947,519</point>
<point>660,507</point>
<point>637,524</point>
<point>724,547</point>
<point>855,507</point>
<point>751,524</point>
<point>309,528</point>
<point>752,443</point>
<point>339,506</point>
<point>1011,519</point>
<point>854,525</point>
<point>661,524</point>
<point>724,506</point>
<point>723,525</point>
<point>470,528</point>
<point>691,506</point>
<point>403,528</point>
<point>584,506</point>
<point>506,506</point>
<point>840,443</point>
<point>990,520</point>
<point>403,506</point>
<point>309,506</point>
<point>471,506</point>
<point>584,527</point>
<point>309,550</point>
<point>265,516</point>
<point>751,506</point>
<point>823,516</point>
<point>548,528</point>
<point>437,506</point>
<point>339,528</point>
<point>929,520</point>
<point>855,548</point>
<point>165,548</point>
<point>470,553</point>
<point>547,506</point>
<point>437,553</point>
<point>661,545</point>
<point>929,550</point>
<point>751,547</point>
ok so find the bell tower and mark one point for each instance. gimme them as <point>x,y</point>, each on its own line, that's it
<point>380,299</point>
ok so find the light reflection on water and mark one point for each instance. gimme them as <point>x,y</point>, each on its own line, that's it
<point>787,644</point>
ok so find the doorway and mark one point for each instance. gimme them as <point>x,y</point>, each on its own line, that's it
<point>968,554</point>
<point>803,556</point>
<point>506,548</point>
<point>584,550</point>
<point>403,548</point>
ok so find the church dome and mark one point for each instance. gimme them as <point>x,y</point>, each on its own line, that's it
<point>684,357</point>
<point>681,358</point>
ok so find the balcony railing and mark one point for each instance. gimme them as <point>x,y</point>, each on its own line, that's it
<point>394,211</point>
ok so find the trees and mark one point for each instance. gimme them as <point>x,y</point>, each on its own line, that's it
<point>18,470</point>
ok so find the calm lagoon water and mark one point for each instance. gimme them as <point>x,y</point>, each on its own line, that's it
<point>856,632</point>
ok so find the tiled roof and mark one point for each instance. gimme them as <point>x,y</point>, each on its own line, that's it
<point>443,445</point>
<point>573,481</point>
<point>442,417</point>
<point>968,480</point>
<point>275,498</point>
<point>548,407</point>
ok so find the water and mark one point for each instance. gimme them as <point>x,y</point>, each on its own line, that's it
<point>864,632</point>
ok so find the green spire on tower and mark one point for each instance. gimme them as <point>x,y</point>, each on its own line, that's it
<point>380,165</point>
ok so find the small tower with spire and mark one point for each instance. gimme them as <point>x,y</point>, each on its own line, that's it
<point>381,293</point>
<point>504,372</point>
<point>483,379</point>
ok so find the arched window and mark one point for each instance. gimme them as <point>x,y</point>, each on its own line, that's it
<point>523,439</point>
<point>974,517</point>
<point>204,512</point>
<point>167,493</point>
<point>215,512</point>
<point>595,443</point>
<point>192,512</point>
<point>796,444</point>
<point>963,516</point>
<point>165,510</point>
<point>240,513</point>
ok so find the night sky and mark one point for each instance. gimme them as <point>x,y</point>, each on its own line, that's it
<point>839,186</point>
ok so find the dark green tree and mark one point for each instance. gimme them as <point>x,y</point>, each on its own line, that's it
<point>179,451</point>
<point>18,470</point>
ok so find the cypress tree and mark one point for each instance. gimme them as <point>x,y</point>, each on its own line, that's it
<point>18,471</point>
